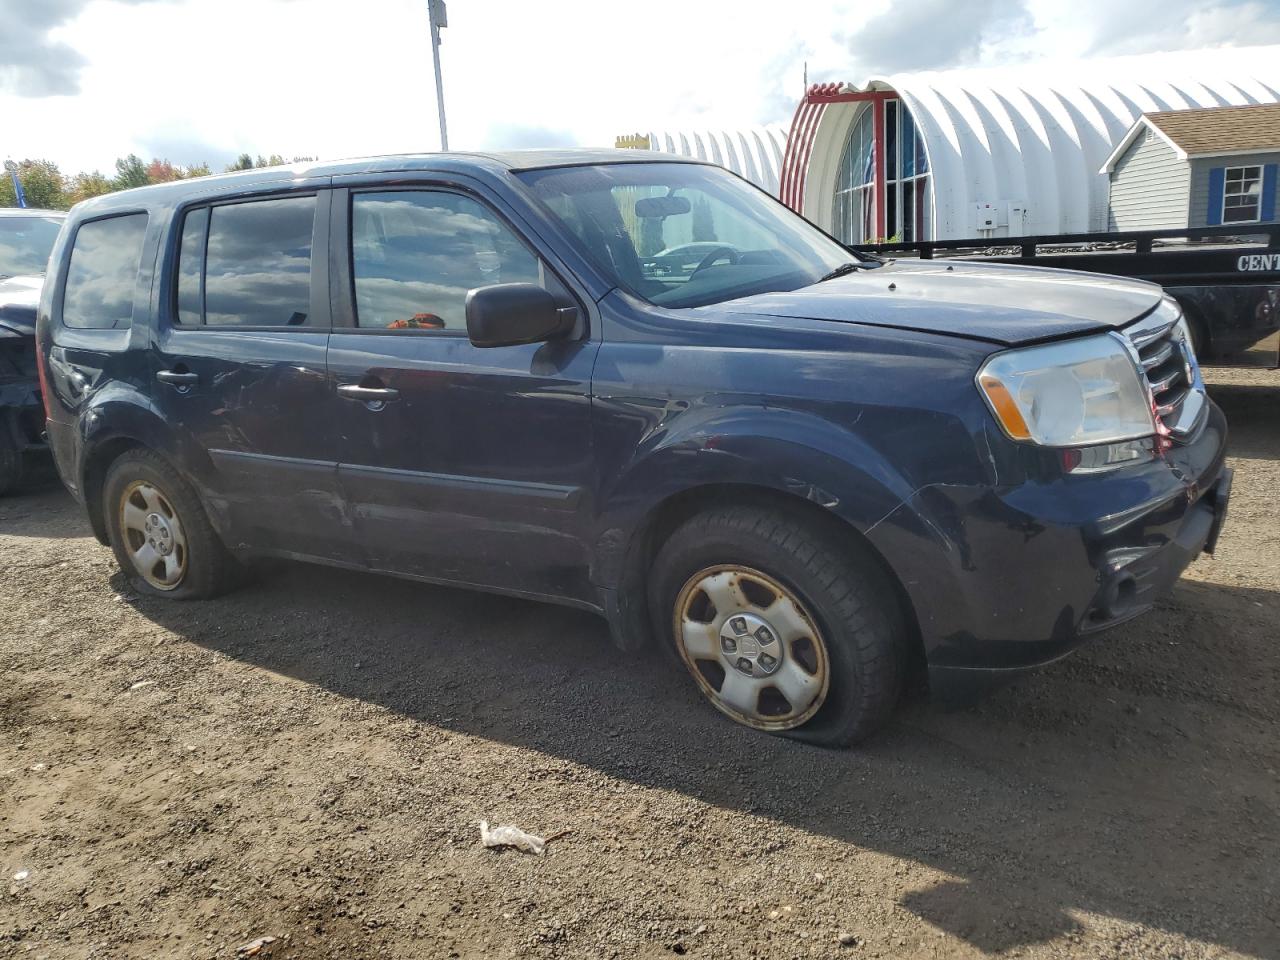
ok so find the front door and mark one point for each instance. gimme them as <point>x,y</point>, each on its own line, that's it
<point>240,369</point>
<point>461,464</point>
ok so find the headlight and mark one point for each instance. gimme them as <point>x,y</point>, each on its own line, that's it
<point>1076,393</point>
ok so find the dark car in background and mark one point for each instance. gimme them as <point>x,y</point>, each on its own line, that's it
<point>26,238</point>
<point>677,264</point>
<point>802,472</point>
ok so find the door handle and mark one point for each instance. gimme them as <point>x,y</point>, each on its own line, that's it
<point>179,378</point>
<point>353,391</point>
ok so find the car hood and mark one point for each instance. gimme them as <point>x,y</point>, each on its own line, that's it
<point>19,297</point>
<point>992,302</point>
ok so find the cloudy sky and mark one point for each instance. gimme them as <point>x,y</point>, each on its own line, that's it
<point>85,81</point>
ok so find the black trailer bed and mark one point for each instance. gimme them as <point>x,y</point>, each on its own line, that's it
<point>1227,278</point>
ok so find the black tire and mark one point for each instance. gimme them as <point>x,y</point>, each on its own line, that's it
<point>846,595</point>
<point>210,569</point>
<point>11,465</point>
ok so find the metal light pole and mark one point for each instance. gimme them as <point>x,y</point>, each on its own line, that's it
<point>12,169</point>
<point>438,19</point>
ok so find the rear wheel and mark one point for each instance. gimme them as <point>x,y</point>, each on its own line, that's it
<point>159,532</point>
<point>782,627</point>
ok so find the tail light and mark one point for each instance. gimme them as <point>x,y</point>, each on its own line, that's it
<point>42,376</point>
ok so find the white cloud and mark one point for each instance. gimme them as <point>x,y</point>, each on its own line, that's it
<point>209,79</point>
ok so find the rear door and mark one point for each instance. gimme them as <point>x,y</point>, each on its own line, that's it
<point>462,464</point>
<point>239,365</point>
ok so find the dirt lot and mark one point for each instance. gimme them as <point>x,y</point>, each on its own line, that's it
<point>307,759</point>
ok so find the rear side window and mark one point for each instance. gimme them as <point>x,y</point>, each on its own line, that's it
<point>103,273</point>
<point>257,268</point>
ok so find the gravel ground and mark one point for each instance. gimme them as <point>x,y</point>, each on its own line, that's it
<point>307,760</point>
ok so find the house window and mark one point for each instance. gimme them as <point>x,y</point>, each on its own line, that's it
<point>1242,195</point>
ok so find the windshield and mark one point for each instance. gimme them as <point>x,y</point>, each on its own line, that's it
<point>684,234</point>
<point>25,244</point>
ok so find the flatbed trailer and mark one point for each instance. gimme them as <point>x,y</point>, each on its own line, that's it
<point>1227,278</point>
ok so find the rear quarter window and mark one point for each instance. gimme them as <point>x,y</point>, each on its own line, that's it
<point>103,273</point>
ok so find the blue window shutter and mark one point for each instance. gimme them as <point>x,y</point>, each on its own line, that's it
<point>1269,192</point>
<point>1217,181</point>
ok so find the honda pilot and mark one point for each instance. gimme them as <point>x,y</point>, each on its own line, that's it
<point>802,471</point>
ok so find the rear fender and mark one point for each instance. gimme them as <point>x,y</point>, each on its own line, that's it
<point>117,416</point>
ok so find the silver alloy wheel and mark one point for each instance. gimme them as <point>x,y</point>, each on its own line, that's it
<point>753,649</point>
<point>153,535</point>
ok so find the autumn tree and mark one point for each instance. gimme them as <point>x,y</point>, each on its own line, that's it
<point>162,171</point>
<point>85,185</point>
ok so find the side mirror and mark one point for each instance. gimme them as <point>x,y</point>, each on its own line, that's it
<point>510,313</point>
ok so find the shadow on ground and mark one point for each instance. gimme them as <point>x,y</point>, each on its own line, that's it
<point>1114,783</point>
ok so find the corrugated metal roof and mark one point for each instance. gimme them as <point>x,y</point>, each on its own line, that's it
<point>1035,135</point>
<point>754,153</point>
<point>1219,130</point>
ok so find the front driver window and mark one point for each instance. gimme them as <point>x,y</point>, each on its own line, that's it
<point>416,254</point>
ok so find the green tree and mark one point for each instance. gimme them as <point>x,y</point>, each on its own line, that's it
<point>41,185</point>
<point>196,170</point>
<point>131,171</point>
<point>651,236</point>
<point>242,162</point>
<point>85,185</point>
<point>704,226</point>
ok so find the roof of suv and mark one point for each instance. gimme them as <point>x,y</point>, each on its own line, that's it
<point>30,212</point>
<point>497,161</point>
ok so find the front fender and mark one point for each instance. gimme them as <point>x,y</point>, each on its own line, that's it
<point>788,451</point>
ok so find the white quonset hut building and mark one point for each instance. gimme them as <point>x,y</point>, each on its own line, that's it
<point>990,153</point>
<point>755,153</point>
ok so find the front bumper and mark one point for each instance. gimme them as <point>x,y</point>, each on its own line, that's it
<point>1009,579</point>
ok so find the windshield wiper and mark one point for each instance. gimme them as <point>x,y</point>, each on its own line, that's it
<point>844,270</point>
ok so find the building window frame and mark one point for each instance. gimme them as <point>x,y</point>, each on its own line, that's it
<point>855,211</point>
<point>892,179</point>
<point>1246,176</point>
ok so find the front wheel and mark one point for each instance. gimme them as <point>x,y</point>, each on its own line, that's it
<point>782,627</point>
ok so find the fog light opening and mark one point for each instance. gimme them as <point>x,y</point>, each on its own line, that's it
<point>1116,599</point>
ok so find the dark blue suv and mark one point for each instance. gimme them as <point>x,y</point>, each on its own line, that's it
<point>801,470</point>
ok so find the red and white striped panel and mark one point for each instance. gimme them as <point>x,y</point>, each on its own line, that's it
<point>804,127</point>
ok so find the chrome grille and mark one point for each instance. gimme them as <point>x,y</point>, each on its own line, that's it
<point>1168,363</point>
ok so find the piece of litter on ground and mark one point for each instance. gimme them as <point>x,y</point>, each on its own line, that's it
<point>143,683</point>
<point>511,837</point>
<point>21,875</point>
<point>39,768</point>
<point>253,947</point>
